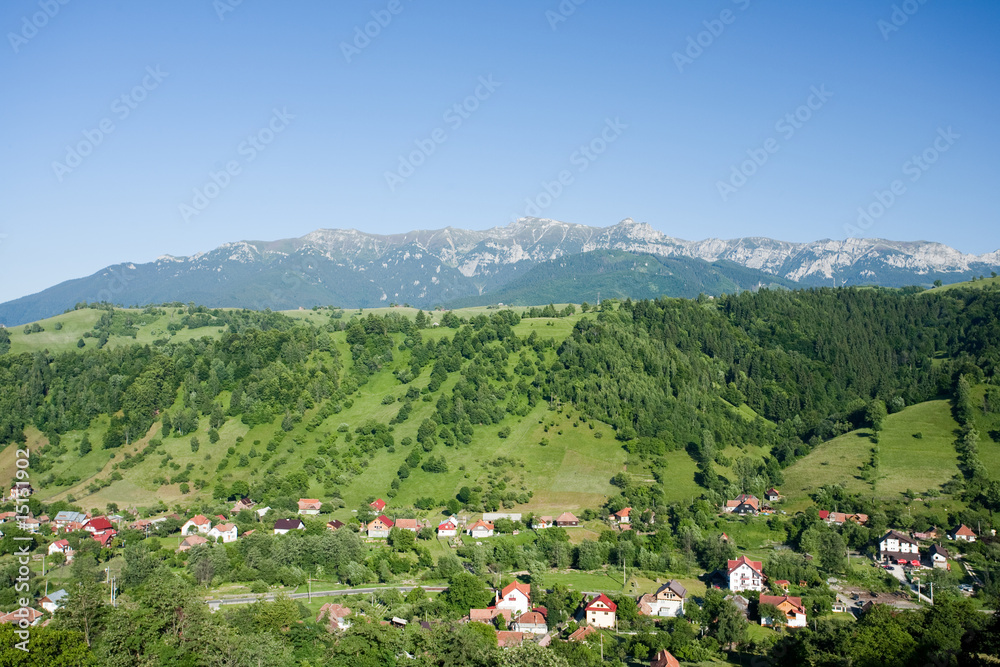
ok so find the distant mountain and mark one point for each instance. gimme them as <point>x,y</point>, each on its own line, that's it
<point>426,268</point>
<point>603,274</point>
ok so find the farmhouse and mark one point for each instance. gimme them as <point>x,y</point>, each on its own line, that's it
<point>66,517</point>
<point>378,504</point>
<point>481,529</point>
<point>449,528</point>
<point>938,556</point>
<point>53,601</point>
<point>622,516</point>
<point>567,520</point>
<point>191,541</point>
<point>282,526</point>
<point>668,600</point>
<point>541,522</point>
<point>664,658</point>
<point>772,495</point>
<point>310,506</point>
<point>334,525</point>
<point>23,616</point>
<point>601,612</point>
<point>514,596</point>
<point>380,526</point>
<point>335,615</point>
<point>963,533</point>
<point>411,525</point>
<point>792,606</point>
<point>226,531</point>
<point>530,622</point>
<point>62,547</point>
<point>243,504</point>
<point>196,524</point>
<point>745,574</point>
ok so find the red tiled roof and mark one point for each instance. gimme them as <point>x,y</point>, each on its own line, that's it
<point>507,638</point>
<point>378,505</point>
<point>664,659</point>
<point>199,520</point>
<point>99,524</point>
<point>755,565</point>
<point>602,598</point>
<point>516,586</point>
<point>964,531</point>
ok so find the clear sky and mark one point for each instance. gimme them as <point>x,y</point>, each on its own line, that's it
<point>116,113</point>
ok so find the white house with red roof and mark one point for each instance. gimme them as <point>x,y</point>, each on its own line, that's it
<point>310,506</point>
<point>62,547</point>
<point>963,533</point>
<point>601,612</point>
<point>226,531</point>
<point>378,504</point>
<point>197,524</point>
<point>622,515</point>
<point>744,574</point>
<point>532,622</point>
<point>98,524</point>
<point>514,596</point>
<point>448,528</point>
<point>481,529</point>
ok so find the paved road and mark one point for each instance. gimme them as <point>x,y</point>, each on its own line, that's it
<point>249,599</point>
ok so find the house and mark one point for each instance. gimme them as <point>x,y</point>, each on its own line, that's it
<point>567,520</point>
<point>506,638</point>
<point>487,615</point>
<point>62,547</point>
<point>663,658</point>
<point>840,518</point>
<point>542,522</point>
<point>378,504</point>
<point>514,596</point>
<point>191,541</point>
<point>938,556</point>
<point>310,506</point>
<point>744,503</point>
<point>792,606</point>
<point>480,529</point>
<point>581,633</point>
<point>772,495</point>
<point>66,517</point>
<point>601,612</point>
<point>24,616</point>
<point>963,533</point>
<point>724,538</point>
<point>196,524</point>
<point>20,490</point>
<point>531,622</point>
<point>262,511</point>
<point>334,525</point>
<point>894,545</point>
<point>449,528</point>
<point>53,601</point>
<point>104,539</point>
<point>931,534</point>
<point>622,515</point>
<point>745,574</point>
<point>29,524</point>
<point>741,603</point>
<point>98,525</point>
<point>668,600</point>
<point>335,616</point>
<point>243,504</point>
<point>783,584</point>
<point>380,526</point>
<point>282,526</point>
<point>411,525</point>
<point>226,531</point>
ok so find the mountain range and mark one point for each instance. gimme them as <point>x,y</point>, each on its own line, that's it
<point>530,261</point>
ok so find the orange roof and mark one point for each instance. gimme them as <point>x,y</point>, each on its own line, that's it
<point>581,633</point>
<point>602,598</point>
<point>379,505</point>
<point>777,600</point>
<point>516,586</point>
<point>623,513</point>
<point>507,638</point>
<point>964,530</point>
<point>481,523</point>
<point>199,520</point>
<point>664,659</point>
<point>531,618</point>
<point>755,565</point>
<point>309,504</point>
<point>408,524</point>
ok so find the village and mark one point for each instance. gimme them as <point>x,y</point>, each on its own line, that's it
<point>515,612</point>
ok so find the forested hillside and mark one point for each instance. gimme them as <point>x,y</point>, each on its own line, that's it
<point>667,407</point>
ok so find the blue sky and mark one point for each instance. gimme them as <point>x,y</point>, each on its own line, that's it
<point>303,132</point>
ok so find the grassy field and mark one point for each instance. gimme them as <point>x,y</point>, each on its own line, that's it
<point>988,282</point>
<point>907,462</point>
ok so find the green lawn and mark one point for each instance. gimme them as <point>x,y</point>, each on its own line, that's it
<point>906,462</point>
